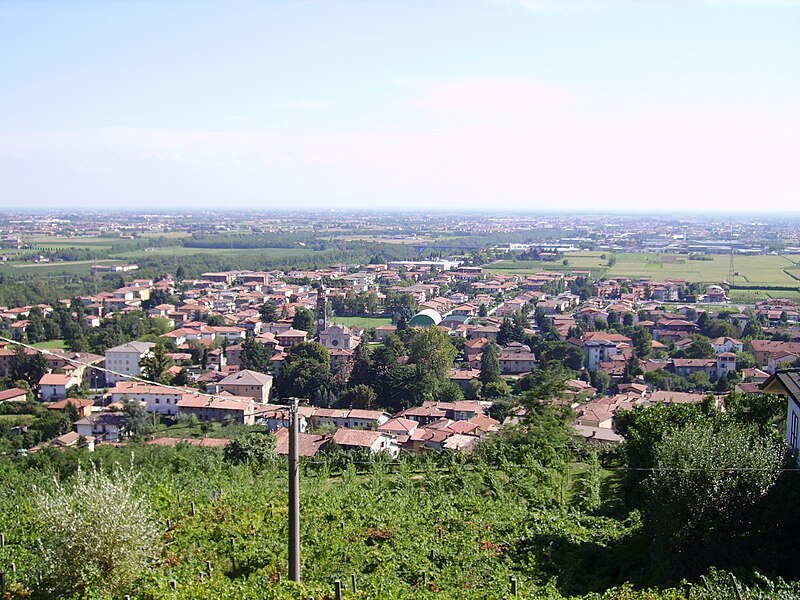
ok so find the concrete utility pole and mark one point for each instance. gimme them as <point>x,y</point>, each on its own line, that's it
<point>294,492</point>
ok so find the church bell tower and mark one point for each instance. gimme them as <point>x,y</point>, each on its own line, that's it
<point>322,305</point>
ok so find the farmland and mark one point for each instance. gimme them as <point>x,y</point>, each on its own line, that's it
<point>766,270</point>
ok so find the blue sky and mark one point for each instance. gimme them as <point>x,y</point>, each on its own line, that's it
<point>512,104</point>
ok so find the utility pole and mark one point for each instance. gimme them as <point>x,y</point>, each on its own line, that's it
<point>294,492</point>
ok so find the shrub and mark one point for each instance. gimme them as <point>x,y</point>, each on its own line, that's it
<point>98,532</point>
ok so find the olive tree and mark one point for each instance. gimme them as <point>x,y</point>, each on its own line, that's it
<point>96,531</point>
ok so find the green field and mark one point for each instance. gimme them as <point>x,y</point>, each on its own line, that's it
<point>50,345</point>
<point>365,322</point>
<point>171,251</point>
<point>767,270</point>
<point>91,243</point>
<point>50,269</point>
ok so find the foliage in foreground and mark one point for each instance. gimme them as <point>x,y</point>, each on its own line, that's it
<point>97,530</point>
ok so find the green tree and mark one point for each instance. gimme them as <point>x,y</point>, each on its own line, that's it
<point>154,366</point>
<point>134,418</point>
<point>254,448</point>
<point>359,396</point>
<point>304,320</point>
<point>268,312</point>
<point>255,356</point>
<point>706,484</point>
<point>642,342</point>
<point>84,545</point>
<point>490,365</point>
<point>433,352</point>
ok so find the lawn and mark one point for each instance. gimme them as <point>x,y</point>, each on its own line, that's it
<point>50,345</point>
<point>365,322</point>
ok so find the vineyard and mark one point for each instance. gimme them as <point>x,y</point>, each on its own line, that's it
<point>442,526</point>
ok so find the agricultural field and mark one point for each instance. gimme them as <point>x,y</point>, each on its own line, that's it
<point>170,251</point>
<point>365,322</point>
<point>52,269</point>
<point>58,243</point>
<point>769,270</point>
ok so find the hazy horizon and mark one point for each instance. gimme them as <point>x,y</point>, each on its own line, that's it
<point>550,106</point>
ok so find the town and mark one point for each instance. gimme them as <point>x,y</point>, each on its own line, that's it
<point>456,343</point>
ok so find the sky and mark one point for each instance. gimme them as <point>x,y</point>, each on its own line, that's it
<point>678,105</point>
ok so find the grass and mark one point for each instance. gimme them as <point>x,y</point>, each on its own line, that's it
<point>768,270</point>
<point>55,242</point>
<point>56,268</point>
<point>185,251</point>
<point>365,322</point>
<point>51,345</point>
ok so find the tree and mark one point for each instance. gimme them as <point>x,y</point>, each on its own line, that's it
<point>432,350</point>
<point>490,365</point>
<point>306,370</point>
<point>642,342</point>
<point>361,373</point>
<point>359,396</point>
<point>154,366</point>
<point>304,320</point>
<point>84,544</point>
<point>699,380</point>
<point>450,392</point>
<point>496,389</point>
<point>26,366</point>
<point>255,356</point>
<point>268,312</point>
<point>134,417</point>
<point>706,484</point>
<point>256,448</point>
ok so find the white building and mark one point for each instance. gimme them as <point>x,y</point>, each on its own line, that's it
<point>125,359</point>
<point>597,351</point>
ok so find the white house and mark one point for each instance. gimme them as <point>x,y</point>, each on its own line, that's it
<point>53,386</point>
<point>370,441</point>
<point>125,360</point>
<point>104,426</point>
<point>157,398</point>
<point>786,382</point>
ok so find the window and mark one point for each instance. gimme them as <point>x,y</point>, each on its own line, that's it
<point>793,432</point>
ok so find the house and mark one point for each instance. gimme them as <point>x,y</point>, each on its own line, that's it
<point>103,426</point>
<point>309,444</point>
<point>786,382</point>
<point>53,386</point>
<point>399,427</point>
<point>246,383</point>
<point>372,442</point>
<point>13,395</point>
<point>156,398</point>
<point>123,361</point>
<point>516,358</point>
<point>726,344</point>
<point>277,417</point>
<point>349,419</point>
<point>82,405</point>
<point>218,408</point>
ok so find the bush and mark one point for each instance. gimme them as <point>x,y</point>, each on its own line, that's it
<point>96,533</point>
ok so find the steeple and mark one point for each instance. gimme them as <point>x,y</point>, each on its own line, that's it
<point>322,305</point>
